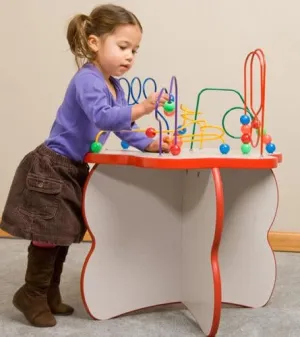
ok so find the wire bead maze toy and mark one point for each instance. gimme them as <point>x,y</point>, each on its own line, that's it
<point>250,119</point>
<point>170,108</point>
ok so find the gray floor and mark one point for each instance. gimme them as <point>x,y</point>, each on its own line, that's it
<point>280,318</point>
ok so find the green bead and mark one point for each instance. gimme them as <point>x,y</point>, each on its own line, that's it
<point>246,148</point>
<point>169,106</point>
<point>96,147</point>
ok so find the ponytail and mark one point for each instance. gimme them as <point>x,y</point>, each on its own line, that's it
<point>77,38</point>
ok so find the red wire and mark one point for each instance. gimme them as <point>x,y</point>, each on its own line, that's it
<point>261,57</point>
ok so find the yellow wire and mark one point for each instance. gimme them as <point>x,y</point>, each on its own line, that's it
<point>188,119</point>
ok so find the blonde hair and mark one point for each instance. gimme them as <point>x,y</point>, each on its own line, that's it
<point>104,19</point>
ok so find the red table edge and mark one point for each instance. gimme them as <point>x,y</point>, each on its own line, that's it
<point>268,162</point>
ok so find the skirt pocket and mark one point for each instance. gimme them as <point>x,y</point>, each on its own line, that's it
<point>41,196</point>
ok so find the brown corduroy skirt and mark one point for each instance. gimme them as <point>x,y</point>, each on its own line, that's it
<point>45,197</point>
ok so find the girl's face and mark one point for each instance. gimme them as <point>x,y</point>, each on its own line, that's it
<point>115,53</point>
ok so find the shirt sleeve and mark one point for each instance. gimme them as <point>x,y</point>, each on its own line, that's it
<point>136,139</point>
<point>92,97</point>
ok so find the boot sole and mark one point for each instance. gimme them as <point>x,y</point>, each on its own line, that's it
<point>62,314</point>
<point>38,326</point>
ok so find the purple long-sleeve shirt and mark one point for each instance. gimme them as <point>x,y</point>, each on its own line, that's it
<point>87,108</point>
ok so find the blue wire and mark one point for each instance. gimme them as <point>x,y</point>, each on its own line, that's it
<point>141,89</point>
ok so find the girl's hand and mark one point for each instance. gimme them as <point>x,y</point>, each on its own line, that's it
<point>150,103</point>
<point>154,146</point>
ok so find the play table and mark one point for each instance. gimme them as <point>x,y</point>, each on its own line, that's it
<point>191,228</point>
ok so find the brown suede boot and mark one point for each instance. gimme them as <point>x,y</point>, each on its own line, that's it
<point>31,298</point>
<point>54,296</point>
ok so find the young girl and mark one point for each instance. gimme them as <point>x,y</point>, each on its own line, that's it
<point>44,201</point>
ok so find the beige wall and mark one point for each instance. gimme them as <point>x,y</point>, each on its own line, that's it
<point>210,40</point>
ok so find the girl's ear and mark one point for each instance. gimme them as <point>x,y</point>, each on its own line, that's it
<point>94,43</point>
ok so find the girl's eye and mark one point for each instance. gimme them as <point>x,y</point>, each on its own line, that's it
<point>124,48</point>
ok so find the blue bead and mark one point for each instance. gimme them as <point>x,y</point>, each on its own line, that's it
<point>245,119</point>
<point>224,148</point>
<point>182,131</point>
<point>172,98</point>
<point>270,147</point>
<point>124,145</point>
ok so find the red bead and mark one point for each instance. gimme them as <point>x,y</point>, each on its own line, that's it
<point>175,150</point>
<point>267,139</point>
<point>246,138</point>
<point>169,114</point>
<point>151,132</point>
<point>246,129</point>
<point>255,123</point>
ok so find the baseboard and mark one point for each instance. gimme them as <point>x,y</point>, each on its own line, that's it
<point>279,241</point>
<point>285,241</point>
<point>3,234</point>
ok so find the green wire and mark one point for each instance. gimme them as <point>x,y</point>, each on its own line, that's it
<point>226,113</point>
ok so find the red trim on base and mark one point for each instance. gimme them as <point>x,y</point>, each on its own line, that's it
<point>93,245</point>
<point>275,215</point>
<point>215,251</point>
